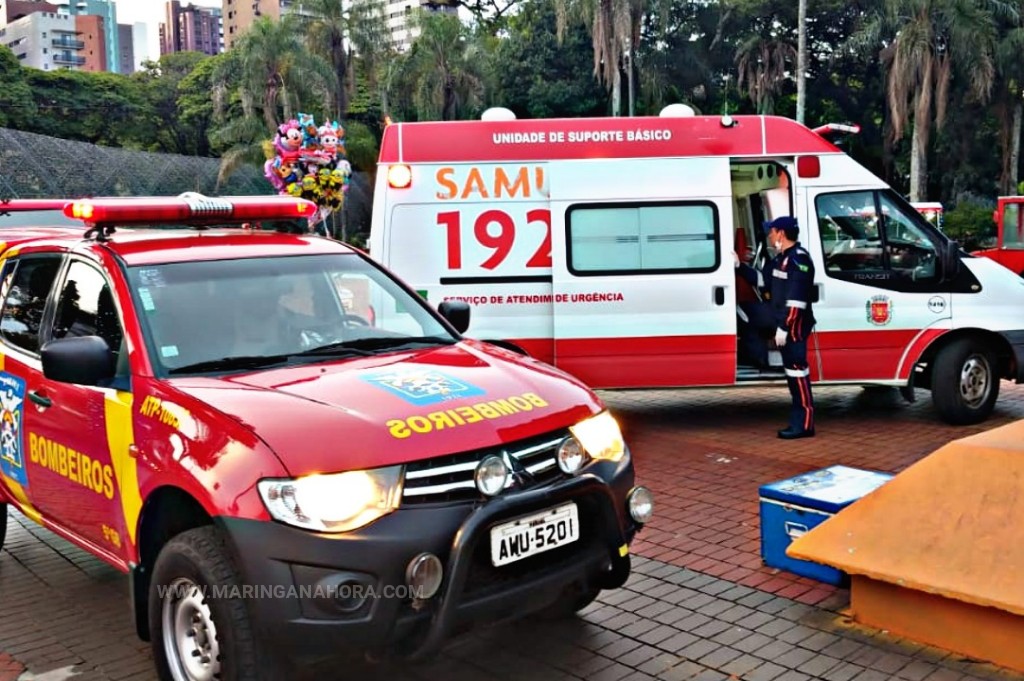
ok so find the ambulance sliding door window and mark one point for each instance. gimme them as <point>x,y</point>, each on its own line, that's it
<point>639,239</point>
<point>1013,234</point>
<point>25,284</point>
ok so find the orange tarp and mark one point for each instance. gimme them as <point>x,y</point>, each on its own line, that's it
<point>951,525</point>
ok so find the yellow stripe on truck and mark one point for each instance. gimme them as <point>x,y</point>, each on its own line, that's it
<point>120,436</point>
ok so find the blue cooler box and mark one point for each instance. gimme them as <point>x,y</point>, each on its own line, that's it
<point>789,508</point>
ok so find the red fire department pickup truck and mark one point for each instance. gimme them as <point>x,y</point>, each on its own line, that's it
<point>279,441</point>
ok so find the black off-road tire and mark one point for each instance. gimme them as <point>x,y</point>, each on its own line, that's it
<point>200,558</point>
<point>965,382</point>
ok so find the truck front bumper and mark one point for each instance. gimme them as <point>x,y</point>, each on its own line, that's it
<point>313,592</point>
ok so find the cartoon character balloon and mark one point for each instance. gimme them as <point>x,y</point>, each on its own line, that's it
<point>308,161</point>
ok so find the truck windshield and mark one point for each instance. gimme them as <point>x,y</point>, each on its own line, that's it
<point>232,315</point>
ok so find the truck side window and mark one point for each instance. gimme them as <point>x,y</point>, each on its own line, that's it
<point>86,307</point>
<point>26,288</point>
<point>1013,235</point>
<point>625,239</point>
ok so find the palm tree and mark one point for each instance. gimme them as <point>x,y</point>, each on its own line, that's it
<point>763,65</point>
<point>272,74</point>
<point>1008,102</point>
<point>924,41</point>
<point>441,72</point>
<point>327,24</point>
<point>611,30</point>
<point>373,54</point>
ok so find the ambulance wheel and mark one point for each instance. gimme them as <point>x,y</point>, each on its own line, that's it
<point>568,603</point>
<point>965,384</point>
<point>3,524</point>
<point>199,636</point>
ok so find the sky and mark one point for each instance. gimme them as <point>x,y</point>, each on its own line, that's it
<point>151,13</point>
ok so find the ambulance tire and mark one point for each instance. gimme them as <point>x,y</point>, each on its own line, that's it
<point>570,602</point>
<point>193,561</point>
<point>3,524</point>
<point>965,385</point>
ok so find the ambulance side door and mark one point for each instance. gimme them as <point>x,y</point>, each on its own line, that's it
<point>643,274</point>
<point>882,298</point>
<point>67,433</point>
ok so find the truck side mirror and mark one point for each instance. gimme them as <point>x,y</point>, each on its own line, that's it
<point>457,314</point>
<point>83,360</point>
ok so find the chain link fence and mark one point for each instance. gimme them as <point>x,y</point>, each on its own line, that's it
<point>37,166</point>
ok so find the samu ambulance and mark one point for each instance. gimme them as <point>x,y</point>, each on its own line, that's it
<point>215,411</point>
<point>604,247</point>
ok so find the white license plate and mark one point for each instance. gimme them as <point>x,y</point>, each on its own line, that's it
<point>534,534</point>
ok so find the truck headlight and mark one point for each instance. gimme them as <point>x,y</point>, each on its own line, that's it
<point>334,502</point>
<point>600,437</point>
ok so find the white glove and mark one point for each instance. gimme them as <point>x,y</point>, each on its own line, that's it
<point>736,260</point>
<point>780,337</point>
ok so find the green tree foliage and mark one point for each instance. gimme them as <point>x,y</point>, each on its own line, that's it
<point>17,106</point>
<point>536,77</point>
<point>160,83</point>
<point>102,108</point>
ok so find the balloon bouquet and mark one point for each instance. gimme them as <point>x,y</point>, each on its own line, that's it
<point>309,162</point>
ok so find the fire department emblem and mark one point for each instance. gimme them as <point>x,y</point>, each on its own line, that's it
<point>879,310</point>
<point>12,403</point>
<point>424,386</point>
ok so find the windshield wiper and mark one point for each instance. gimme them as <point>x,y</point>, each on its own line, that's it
<point>231,363</point>
<point>368,346</point>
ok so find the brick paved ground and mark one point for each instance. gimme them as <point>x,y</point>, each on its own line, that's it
<point>699,605</point>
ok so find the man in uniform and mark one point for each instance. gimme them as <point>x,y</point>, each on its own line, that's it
<point>787,283</point>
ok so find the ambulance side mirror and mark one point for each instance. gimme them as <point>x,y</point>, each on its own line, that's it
<point>950,259</point>
<point>83,360</point>
<point>457,314</point>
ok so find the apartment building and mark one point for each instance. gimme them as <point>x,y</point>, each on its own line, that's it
<point>397,16</point>
<point>13,10</point>
<point>191,29</point>
<point>45,40</point>
<point>126,49</point>
<point>107,10</point>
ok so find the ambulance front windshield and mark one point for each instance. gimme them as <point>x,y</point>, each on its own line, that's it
<point>251,313</point>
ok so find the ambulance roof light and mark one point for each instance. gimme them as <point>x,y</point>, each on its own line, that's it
<point>191,208</point>
<point>498,113</point>
<point>677,111</point>
<point>830,129</point>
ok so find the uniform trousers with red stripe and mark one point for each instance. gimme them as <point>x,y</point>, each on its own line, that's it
<point>798,377</point>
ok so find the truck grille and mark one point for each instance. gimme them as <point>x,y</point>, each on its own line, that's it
<point>450,478</point>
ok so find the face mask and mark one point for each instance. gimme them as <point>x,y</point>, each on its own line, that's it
<point>778,244</point>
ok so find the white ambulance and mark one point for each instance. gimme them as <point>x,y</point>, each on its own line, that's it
<point>605,247</point>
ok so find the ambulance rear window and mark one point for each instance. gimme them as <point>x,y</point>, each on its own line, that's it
<point>642,238</point>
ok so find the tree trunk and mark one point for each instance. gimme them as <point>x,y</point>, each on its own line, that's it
<point>632,95</point>
<point>617,93</point>
<point>270,107</point>
<point>801,61</point>
<point>1018,111</point>
<point>921,136</point>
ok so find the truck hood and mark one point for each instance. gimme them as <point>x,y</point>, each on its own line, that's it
<point>391,409</point>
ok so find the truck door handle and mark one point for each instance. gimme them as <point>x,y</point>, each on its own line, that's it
<point>719,295</point>
<point>40,399</point>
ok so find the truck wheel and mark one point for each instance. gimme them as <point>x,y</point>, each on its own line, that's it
<point>3,524</point>
<point>570,602</point>
<point>965,385</point>
<point>197,635</point>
